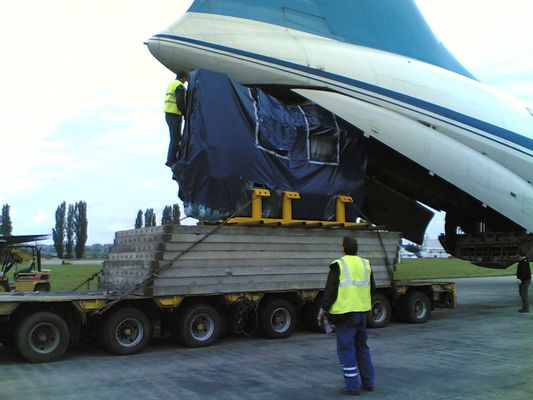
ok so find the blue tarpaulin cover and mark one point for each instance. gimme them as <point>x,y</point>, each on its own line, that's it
<point>236,138</point>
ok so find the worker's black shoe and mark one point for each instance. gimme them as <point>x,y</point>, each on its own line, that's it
<point>523,311</point>
<point>368,388</point>
<point>349,392</point>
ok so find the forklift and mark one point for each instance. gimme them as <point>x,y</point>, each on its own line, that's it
<point>25,261</point>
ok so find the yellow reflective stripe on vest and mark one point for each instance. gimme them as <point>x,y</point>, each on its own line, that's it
<point>170,99</point>
<point>349,281</point>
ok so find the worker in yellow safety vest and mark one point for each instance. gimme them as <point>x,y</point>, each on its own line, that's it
<point>346,301</point>
<point>174,111</point>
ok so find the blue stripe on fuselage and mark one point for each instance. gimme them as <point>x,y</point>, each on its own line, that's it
<point>395,26</point>
<point>354,84</point>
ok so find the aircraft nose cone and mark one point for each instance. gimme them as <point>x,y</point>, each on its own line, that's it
<point>153,45</point>
<point>163,52</point>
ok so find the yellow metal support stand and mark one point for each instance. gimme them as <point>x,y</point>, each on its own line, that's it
<point>257,202</point>
<point>286,205</point>
<point>340,208</point>
<point>286,219</point>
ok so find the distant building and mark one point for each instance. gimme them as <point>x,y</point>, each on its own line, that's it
<point>432,248</point>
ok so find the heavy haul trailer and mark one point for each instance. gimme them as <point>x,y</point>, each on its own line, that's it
<point>193,283</point>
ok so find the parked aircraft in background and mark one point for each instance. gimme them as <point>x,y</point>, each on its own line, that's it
<point>438,136</point>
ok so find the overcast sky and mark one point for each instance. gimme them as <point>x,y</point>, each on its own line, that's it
<point>81,100</point>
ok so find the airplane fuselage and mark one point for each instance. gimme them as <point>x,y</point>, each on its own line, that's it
<point>471,135</point>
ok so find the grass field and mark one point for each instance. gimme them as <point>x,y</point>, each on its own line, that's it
<point>67,277</point>
<point>435,268</point>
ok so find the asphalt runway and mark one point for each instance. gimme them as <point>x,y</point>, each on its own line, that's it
<point>481,350</point>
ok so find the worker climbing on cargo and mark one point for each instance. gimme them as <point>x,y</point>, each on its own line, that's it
<point>523,272</point>
<point>174,111</point>
<point>347,299</point>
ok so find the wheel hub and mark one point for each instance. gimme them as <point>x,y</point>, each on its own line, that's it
<point>44,338</point>
<point>202,327</point>
<point>129,333</point>
<point>420,309</point>
<point>280,320</point>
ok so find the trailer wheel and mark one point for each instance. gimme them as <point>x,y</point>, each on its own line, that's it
<point>126,331</point>
<point>277,319</point>
<point>42,287</point>
<point>198,326</point>
<point>380,314</point>
<point>42,337</point>
<point>415,308</point>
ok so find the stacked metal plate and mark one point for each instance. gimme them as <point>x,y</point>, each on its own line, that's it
<point>211,259</point>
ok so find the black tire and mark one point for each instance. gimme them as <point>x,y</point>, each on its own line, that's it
<point>277,319</point>
<point>126,331</point>
<point>381,312</point>
<point>415,308</point>
<point>6,337</point>
<point>4,286</point>
<point>198,325</point>
<point>42,337</point>
<point>42,287</point>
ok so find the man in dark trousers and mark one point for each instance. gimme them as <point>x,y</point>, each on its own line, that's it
<point>174,111</point>
<point>347,299</point>
<point>523,272</point>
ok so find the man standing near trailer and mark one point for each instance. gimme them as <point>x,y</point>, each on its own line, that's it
<point>174,111</point>
<point>523,272</point>
<point>347,299</point>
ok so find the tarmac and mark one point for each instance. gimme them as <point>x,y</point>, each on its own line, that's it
<point>481,350</point>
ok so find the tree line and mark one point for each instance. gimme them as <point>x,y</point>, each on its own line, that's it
<point>70,232</point>
<point>95,251</point>
<point>146,219</point>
